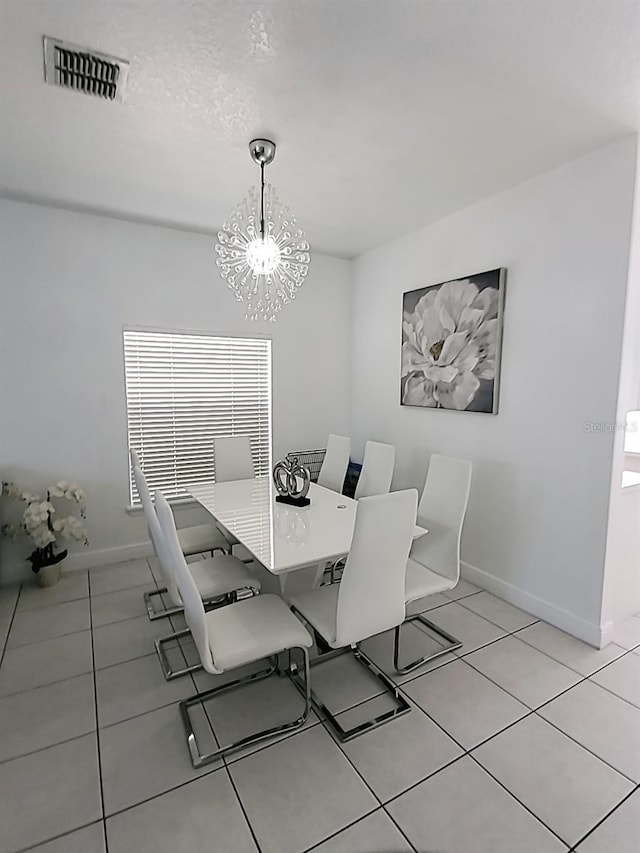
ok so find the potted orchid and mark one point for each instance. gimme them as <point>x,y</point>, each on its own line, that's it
<point>42,523</point>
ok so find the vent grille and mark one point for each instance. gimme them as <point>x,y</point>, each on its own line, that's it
<point>84,70</point>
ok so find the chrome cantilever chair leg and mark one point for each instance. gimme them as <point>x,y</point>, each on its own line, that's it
<point>401,704</point>
<point>452,644</point>
<point>199,759</point>
<point>167,669</point>
<point>154,614</point>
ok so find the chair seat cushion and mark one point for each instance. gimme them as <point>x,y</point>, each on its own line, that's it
<point>253,629</point>
<point>221,575</point>
<point>320,607</point>
<point>201,538</point>
<point>421,582</point>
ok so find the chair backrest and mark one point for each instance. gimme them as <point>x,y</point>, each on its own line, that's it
<point>155,534</point>
<point>377,469</point>
<point>135,459</point>
<point>442,509</point>
<point>232,457</point>
<point>194,613</point>
<point>371,597</point>
<point>335,463</point>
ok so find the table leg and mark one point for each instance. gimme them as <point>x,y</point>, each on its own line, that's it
<point>300,580</point>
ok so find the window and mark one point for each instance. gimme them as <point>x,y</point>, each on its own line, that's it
<point>183,390</point>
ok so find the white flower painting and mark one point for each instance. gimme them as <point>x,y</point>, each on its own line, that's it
<point>451,341</point>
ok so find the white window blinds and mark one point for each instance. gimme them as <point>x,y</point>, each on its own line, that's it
<point>184,390</point>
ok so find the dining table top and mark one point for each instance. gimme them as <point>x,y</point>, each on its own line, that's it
<point>282,537</point>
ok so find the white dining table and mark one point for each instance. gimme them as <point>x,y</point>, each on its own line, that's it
<point>280,537</point>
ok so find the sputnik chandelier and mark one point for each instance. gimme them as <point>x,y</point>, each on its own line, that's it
<point>262,254</point>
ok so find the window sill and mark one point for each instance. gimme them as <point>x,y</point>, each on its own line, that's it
<point>179,503</point>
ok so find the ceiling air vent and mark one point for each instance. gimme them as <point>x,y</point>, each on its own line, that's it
<point>84,70</point>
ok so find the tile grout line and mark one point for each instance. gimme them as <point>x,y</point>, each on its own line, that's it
<point>605,818</point>
<point>95,699</point>
<point>13,616</point>
<point>580,680</point>
<point>240,803</point>
<point>43,748</point>
<point>530,710</point>
<point>227,767</point>
<point>511,794</point>
<point>400,829</point>
<point>58,837</point>
<point>295,733</point>
<point>400,686</point>
<point>350,825</point>
<point>167,790</point>
<point>46,639</point>
<point>364,781</point>
<point>467,752</point>
<point>542,652</point>
<point>119,590</point>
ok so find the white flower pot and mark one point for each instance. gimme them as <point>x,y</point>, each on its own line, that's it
<point>49,575</point>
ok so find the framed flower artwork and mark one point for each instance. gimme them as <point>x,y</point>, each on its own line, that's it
<point>451,344</point>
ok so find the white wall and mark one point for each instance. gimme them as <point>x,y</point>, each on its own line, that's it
<point>70,282</point>
<point>621,588</point>
<point>536,524</point>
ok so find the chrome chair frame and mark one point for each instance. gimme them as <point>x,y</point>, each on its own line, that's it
<point>154,614</point>
<point>452,644</point>
<point>390,688</point>
<point>210,604</point>
<point>199,759</point>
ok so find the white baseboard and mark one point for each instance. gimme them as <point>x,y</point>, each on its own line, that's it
<point>590,632</point>
<point>107,556</point>
<point>79,560</point>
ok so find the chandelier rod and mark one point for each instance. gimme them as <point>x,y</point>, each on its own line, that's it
<point>262,199</point>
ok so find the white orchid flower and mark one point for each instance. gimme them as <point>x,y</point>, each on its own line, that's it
<point>37,513</point>
<point>42,536</point>
<point>11,490</point>
<point>38,517</point>
<point>449,345</point>
<point>70,527</point>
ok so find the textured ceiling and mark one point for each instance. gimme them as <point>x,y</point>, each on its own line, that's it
<point>388,114</point>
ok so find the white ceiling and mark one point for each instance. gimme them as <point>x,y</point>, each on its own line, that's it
<point>388,114</point>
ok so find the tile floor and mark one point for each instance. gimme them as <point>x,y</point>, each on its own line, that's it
<point>523,741</point>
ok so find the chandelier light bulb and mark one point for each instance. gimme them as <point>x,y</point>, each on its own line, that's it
<point>263,255</point>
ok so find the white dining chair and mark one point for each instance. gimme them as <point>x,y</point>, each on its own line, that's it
<point>377,470</point>
<point>375,479</point>
<point>335,463</point>
<point>233,461</point>
<point>196,539</point>
<point>232,458</point>
<point>369,599</point>
<point>434,560</point>
<point>218,580</point>
<point>242,633</point>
